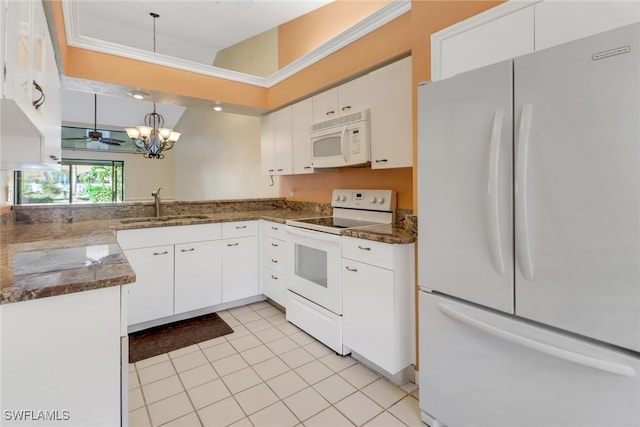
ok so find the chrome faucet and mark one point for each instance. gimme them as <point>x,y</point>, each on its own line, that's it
<point>157,201</point>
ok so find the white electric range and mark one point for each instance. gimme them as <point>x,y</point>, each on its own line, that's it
<point>315,278</point>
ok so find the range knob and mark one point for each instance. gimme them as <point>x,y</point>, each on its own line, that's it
<point>381,200</point>
<point>338,198</point>
<point>374,199</point>
<point>343,198</point>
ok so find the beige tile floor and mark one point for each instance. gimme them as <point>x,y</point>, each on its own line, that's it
<point>267,373</point>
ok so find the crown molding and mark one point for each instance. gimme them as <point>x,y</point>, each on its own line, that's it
<point>386,14</point>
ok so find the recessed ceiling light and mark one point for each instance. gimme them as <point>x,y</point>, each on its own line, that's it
<point>217,108</point>
<point>138,94</point>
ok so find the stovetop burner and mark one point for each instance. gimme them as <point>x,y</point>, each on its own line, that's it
<point>353,209</point>
<point>337,222</point>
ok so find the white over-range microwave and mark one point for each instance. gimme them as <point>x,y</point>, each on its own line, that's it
<point>343,141</point>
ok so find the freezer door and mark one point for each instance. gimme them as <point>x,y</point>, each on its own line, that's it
<point>577,204</point>
<point>465,186</point>
<point>481,368</point>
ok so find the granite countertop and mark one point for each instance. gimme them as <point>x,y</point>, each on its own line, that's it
<point>49,259</point>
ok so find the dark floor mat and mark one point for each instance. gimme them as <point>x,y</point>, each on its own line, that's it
<point>162,339</point>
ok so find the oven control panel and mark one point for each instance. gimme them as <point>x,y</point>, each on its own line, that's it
<point>377,200</point>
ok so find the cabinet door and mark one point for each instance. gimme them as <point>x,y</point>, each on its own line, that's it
<point>151,297</point>
<point>240,259</point>
<point>391,116</point>
<point>502,38</point>
<point>18,52</point>
<point>283,151</point>
<point>268,144</point>
<point>585,17</point>
<point>198,275</point>
<point>368,312</point>
<point>325,105</point>
<point>301,117</point>
<point>353,96</point>
<point>51,109</point>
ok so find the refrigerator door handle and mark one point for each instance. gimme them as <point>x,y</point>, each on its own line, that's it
<point>570,356</point>
<point>522,214</point>
<point>492,191</point>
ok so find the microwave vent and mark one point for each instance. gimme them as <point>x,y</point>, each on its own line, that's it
<point>344,120</point>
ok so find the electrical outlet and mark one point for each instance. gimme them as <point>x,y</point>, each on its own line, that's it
<point>292,192</point>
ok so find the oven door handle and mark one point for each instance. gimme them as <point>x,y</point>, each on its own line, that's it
<point>318,235</point>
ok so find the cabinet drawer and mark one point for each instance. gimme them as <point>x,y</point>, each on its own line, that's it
<point>147,237</point>
<point>368,251</point>
<point>274,229</point>
<point>274,254</point>
<point>239,229</point>
<point>275,286</point>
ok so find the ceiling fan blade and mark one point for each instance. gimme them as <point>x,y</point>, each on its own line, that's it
<point>111,141</point>
<point>77,138</point>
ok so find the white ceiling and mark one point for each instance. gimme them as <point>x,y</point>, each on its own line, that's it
<point>193,30</point>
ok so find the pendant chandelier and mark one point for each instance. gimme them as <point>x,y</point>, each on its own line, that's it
<point>153,137</point>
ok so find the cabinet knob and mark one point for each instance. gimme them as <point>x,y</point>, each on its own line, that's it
<point>274,228</point>
<point>307,167</point>
<point>238,227</point>
<point>382,161</point>
<point>232,244</point>
<point>274,277</point>
<point>161,253</point>
<point>330,113</point>
<point>346,108</point>
<point>275,261</point>
<point>274,244</point>
<point>364,248</point>
<point>188,250</point>
<point>351,269</point>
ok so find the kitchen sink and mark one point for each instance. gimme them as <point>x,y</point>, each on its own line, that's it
<point>163,218</point>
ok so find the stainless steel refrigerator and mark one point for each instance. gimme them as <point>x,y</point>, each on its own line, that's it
<point>529,239</point>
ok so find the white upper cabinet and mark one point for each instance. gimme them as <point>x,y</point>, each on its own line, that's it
<point>391,116</point>
<point>552,19</point>
<point>301,118</point>
<point>30,94</point>
<point>516,28</point>
<point>268,144</point>
<point>275,143</point>
<point>343,100</point>
<point>283,152</point>
<point>482,40</point>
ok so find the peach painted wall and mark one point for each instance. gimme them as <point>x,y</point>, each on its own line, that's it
<point>320,26</point>
<point>317,187</point>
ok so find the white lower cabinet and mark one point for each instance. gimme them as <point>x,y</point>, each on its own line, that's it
<point>378,304</point>
<point>240,268</point>
<point>178,270</point>
<point>240,260</point>
<point>274,262</point>
<point>151,297</point>
<point>198,275</point>
<point>61,360</point>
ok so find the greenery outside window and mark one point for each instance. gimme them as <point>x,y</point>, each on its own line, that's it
<point>77,181</point>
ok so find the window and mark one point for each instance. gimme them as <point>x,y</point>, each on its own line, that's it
<point>77,181</point>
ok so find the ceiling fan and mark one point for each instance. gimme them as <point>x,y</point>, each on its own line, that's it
<point>96,135</point>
